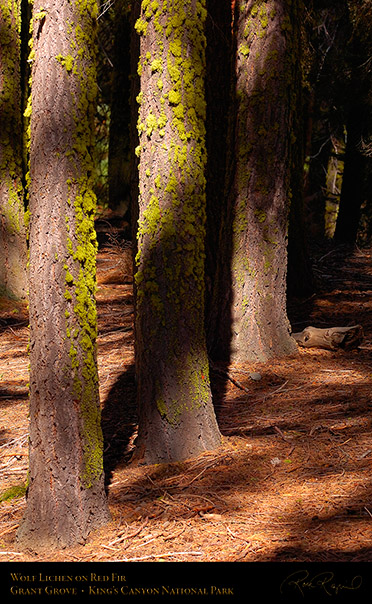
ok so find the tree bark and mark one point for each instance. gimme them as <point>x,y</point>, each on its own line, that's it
<point>119,148</point>
<point>13,277</point>
<point>300,281</point>
<point>218,95</point>
<point>252,323</point>
<point>176,417</point>
<point>353,191</point>
<point>66,497</point>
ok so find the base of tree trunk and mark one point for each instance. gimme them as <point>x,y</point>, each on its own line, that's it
<point>331,337</point>
<point>62,517</point>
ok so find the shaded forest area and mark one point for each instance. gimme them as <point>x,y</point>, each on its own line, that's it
<point>292,479</point>
<point>201,201</point>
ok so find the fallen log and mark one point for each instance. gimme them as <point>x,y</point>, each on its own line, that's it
<point>331,337</point>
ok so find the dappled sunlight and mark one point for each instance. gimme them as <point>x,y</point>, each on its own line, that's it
<point>292,479</point>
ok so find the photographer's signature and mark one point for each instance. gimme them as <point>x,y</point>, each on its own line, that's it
<point>302,581</point>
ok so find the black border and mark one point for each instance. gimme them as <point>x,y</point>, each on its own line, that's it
<point>203,582</point>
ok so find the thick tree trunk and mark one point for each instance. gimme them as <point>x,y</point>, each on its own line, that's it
<point>253,324</point>
<point>176,414</point>
<point>13,278</point>
<point>66,497</point>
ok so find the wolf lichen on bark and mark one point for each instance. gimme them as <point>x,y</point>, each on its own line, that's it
<point>66,497</point>
<point>252,319</point>
<point>13,278</point>
<point>176,414</point>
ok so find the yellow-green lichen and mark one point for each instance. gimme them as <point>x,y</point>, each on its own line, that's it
<point>151,124</point>
<point>174,97</point>
<point>244,50</point>
<point>12,224</point>
<point>162,407</point>
<point>80,266</point>
<point>171,227</point>
<point>67,62</point>
<point>156,65</point>
<point>260,215</point>
<point>141,26</point>
<point>14,492</point>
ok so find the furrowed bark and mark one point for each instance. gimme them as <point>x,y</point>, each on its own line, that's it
<point>13,277</point>
<point>251,292</point>
<point>176,414</point>
<point>66,497</point>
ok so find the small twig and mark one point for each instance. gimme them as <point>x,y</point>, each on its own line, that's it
<point>14,454</point>
<point>226,374</point>
<point>9,462</point>
<point>130,536</point>
<point>146,542</point>
<point>13,332</point>
<point>268,475</point>
<point>275,391</point>
<point>278,430</point>
<point>13,508</point>
<point>19,470</point>
<point>244,552</point>
<point>195,495</point>
<point>113,549</point>
<point>14,441</point>
<point>233,370</point>
<point>364,454</point>
<point>175,535</point>
<point>367,510</point>
<point>328,253</point>
<point>237,536</point>
<point>157,556</point>
<point>150,479</point>
<point>320,149</point>
<point>196,477</point>
<point>106,6</point>
<point>9,529</point>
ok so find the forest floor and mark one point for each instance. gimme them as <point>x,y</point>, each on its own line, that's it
<point>292,480</point>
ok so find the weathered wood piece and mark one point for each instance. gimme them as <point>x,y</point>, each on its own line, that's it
<point>331,337</point>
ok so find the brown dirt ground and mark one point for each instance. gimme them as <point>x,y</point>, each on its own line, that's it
<point>292,480</point>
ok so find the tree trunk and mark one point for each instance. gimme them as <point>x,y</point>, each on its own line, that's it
<point>66,497</point>
<point>119,148</point>
<point>218,94</point>
<point>352,191</point>
<point>176,414</point>
<point>253,324</point>
<point>300,282</point>
<point>13,279</point>
<point>134,137</point>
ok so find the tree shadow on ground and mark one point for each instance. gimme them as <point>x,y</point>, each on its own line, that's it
<point>328,485</point>
<point>12,322</point>
<point>299,554</point>
<point>9,397</point>
<point>119,422</point>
